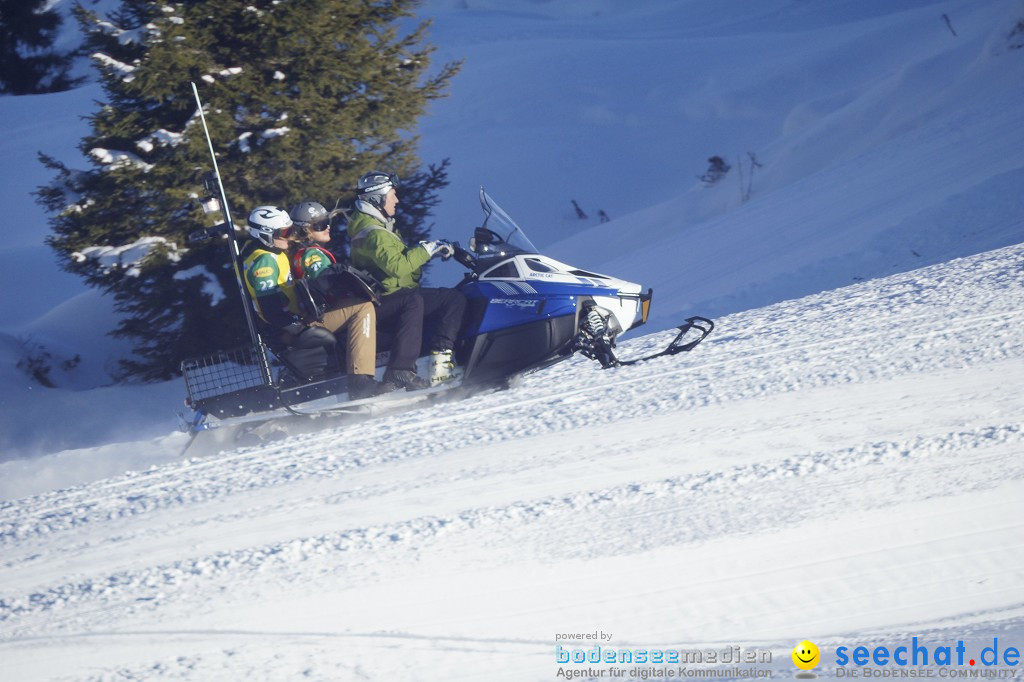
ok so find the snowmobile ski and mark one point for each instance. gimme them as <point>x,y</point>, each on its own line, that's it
<point>680,344</point>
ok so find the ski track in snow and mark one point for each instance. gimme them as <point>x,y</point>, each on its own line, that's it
<point>614,497</point>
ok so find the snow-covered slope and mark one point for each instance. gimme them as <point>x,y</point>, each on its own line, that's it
<point>900,145</point>
<point>845,468</point>
<point>886,143</point>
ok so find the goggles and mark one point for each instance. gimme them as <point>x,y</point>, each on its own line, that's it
<point>318,226</point>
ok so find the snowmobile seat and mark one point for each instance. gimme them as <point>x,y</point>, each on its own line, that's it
<point>311,355</point>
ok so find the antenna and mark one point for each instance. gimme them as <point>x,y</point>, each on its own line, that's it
<point>236,260</point>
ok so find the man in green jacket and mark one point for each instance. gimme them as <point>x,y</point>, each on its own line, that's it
<point>377,248</point>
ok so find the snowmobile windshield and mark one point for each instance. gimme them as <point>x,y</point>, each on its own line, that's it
<point>499,234</point>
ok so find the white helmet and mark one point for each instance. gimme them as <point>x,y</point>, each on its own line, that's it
<point>267,223</point>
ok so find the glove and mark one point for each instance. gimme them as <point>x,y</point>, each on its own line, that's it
<point>441,247</point>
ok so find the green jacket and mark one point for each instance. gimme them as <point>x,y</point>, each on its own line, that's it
<point>311,261</point>
<point>382,253</point>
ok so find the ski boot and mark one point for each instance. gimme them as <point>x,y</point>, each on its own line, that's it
<point>442,366</point>
<point>406,378</point>
<point>362,386</point>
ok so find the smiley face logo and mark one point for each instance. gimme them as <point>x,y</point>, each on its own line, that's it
<point>806,655</point>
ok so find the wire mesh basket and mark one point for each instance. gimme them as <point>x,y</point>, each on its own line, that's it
<point>225,372</point>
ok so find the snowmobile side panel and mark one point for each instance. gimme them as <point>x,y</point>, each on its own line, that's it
<point>240,403</point>
<point>336,386</point>
<point>510,304</point>
<point>496,355</point>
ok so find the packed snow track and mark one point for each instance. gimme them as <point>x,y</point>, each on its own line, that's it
<point>841,467</point>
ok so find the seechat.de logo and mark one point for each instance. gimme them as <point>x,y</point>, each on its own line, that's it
<point>806,655</point>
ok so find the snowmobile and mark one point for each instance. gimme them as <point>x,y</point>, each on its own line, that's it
<point>525,311</point>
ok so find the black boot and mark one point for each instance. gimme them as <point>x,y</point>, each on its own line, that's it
<point>364,386</point>
<point>405,378</point>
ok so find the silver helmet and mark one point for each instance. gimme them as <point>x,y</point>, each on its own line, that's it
<point>374,186</point>
<point>310,215</point>
<point>267,223</point>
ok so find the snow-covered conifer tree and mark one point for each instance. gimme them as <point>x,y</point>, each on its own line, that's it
<point>301,98</point>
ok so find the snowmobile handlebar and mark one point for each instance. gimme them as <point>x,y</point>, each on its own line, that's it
<point>463,257</point>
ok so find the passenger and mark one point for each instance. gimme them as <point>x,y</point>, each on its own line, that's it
<point>311,258</point>
<point>309,237</point>
<point>269,280</point>
<point>378,249</point>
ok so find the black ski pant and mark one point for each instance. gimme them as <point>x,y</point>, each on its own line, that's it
<point>405,312</point>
